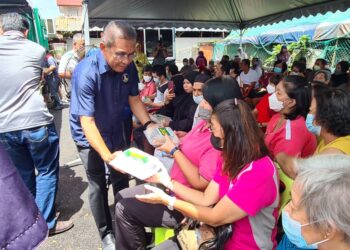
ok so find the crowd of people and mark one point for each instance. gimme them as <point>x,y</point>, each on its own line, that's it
<point>240,127</point>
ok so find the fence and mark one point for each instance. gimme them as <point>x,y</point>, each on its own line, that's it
<point>333,51</point>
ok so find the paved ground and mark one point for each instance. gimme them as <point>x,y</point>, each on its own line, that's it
<point>72,201</point>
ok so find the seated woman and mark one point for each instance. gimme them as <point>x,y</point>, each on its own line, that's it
<point>194,166</point>
<point>244,191</point>
<point>286,132</point>
<point>329,118</point>
<point>318,216</point>
<point>262,110</point>
<point>180,108</point>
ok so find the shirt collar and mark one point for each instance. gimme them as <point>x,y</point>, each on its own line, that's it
<point>103,66</point>
<point>13,33</point>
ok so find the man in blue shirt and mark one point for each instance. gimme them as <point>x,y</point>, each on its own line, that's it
<point>102,85</point>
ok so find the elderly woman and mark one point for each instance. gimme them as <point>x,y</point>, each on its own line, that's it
<point>318,216</point>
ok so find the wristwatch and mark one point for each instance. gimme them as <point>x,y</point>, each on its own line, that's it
<point>171,203</point>
<point>172,152</point>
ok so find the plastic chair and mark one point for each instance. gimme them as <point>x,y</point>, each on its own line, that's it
<point>285,195</point>
<point>161,234</point>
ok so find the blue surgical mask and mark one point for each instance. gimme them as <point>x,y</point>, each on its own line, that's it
<point>156,80</point>
<point>292,228</point>
<point>277,70</point>
<point>198,99</point>
<point>309,122</point>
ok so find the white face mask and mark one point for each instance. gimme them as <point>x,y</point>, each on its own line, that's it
<point>147,78</point>
<point>274,103</point>
<point>293,73</point>
<point>270,89</point>
<point>198,99</point>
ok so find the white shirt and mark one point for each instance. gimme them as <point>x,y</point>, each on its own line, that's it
<point>251,76</point>
<point>68,63</point>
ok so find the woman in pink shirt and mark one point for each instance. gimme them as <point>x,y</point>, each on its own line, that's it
<point>194,166</point>
<point>243,193</point>
<point>286,132</point>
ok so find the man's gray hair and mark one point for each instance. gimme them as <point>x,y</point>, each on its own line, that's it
<point>13,21</point>
<point>118,29</point>
<point>325,191</point>
<point>78,37</point>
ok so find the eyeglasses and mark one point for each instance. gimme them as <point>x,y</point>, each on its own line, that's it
<point>121,56</point>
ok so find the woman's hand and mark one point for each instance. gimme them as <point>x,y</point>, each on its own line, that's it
<point>161,177</point>
<point>180,134</point>
<point>169,97</point>
<point>167,146</point>
<point>157,196</point>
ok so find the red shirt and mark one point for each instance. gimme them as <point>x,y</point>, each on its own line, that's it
<point>292,138</point>
<point>149,89</point>
<point>264,111</point>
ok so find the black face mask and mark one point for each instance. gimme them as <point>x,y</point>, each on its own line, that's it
<point>216,142</point>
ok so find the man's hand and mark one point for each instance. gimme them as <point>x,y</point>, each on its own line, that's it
<point>109,157</point>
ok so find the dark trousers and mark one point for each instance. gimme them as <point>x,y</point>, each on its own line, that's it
<point>133,215</point>
<point>98,193</point>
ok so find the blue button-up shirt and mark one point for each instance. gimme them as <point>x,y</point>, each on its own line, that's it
<point>100,92</point>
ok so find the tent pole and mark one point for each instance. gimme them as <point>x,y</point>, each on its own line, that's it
<point>85,19</point>
<point>240,37</point>
<point>174,48</point>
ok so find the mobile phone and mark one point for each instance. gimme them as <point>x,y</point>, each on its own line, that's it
<point>171,86</point>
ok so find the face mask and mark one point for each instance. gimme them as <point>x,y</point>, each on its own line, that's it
<point>216,142</point>
<point>198,99</point>
<point>275,104</point>
<point>270,89</point>
<point>147,78</point>
<point>277,70</point>
<point>317,68</point>
<point>292,228</point>
<point>316,130</point>
<point>156,80</point>
<point>185,64</point>
<point>293,73</point>
<point>204,114</point>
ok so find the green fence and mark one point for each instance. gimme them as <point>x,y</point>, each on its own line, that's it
<point>333,51</point>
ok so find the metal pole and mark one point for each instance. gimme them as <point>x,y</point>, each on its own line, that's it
<point>174,48</point>
<point>85,19</point>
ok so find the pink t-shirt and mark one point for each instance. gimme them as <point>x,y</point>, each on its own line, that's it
<point>197,148</point>
<point>255,191</point>
<point>149,89</point>
<point>292,138</point>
